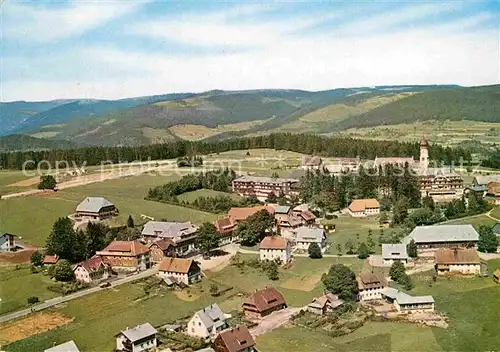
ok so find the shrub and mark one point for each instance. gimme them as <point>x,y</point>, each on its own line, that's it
<point>33,300</point>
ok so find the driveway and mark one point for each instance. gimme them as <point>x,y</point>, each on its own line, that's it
<point>61,299</point>
<point>274,320</point>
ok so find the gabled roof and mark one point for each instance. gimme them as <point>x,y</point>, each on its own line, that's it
<point>478,188</point>
<point>320,302</point>
<point>442,233</point>
<point>457,256</point>
<point>50,259</point>
<point>280,209</point>
<point>394,251</point>
<point>370,280</point>
<point>167,229</point>
<point>493,188</point>
<point>163,244</point>
<point>310,234</point>
<point>404,298</point>
<point>363,204</point>
<point>69,346</point>
<point>91,265</point>
<point>307,215</point>
<point>485,179</point>
<point>241,214</point>
<point>211,316</point>
<point>124,248</point>
<point>291,219</point>
<point>93,204</point>
<point>273,242</point>
<point>224,225</point>
<point>265,299</point>
<point>176,265</point>
<point>237,339</point>
<point>139,332</point>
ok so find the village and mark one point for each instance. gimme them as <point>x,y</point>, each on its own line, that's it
<point>276,237</point>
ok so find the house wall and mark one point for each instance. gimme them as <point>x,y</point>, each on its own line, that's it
<point>271,254</point>
<point>414,308</point>
<point>196,328</point>
<point>370,293</point>
<point>177,277</point>
<point>305,245</point>
<point>356,214</point>
<point>391,261</point>
<point>156,254</point>
<point>8,243</point>
<point>145,345</point>
<point>126,263</point>
<point>465,269</point>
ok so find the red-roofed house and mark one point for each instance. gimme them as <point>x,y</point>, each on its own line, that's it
<point>263,302</point>
<point>90,270</point>
<point>364,207</point>
<point>180,270</point>
<point>237,339</point>
<point>226,228</point>
<point>126,255</point>
<point>50,259</point>
<point>162,248</point>
<point>238,215</point>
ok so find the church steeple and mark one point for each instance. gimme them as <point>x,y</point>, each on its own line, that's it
<point>424,153</point>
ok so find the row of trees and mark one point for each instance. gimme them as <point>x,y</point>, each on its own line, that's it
<point>219,203</point>
<point>301,143</point>
<point>218,180</point>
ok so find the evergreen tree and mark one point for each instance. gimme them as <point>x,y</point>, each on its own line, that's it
<point>488,241</point>
<point>383,218</point>
<point>397,270</point>
<point>36,259</point>
<point>62,239</point>
<point>63,271</point>
<point>428,202</point>
<point>340,280</point>
<point>412,249</point>
<point>369,241</point>
<point>400,211</point>
<point>47,182</point>
<point>96,237</point>
<point>406,282</point>
<point>80,248</point>
<point>130,221</point>
<point>349,246</point>
<point>314,251</point>
<point>363,251</point>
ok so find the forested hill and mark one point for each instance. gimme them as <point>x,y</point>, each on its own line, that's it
<point>474,104</point>
<point>302,143</point>
<point>18,142</point>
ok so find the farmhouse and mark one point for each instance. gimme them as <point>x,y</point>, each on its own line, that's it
<point>307,235</point>
<point>98,208</point>
<point>484,180</point>
<point>126,255</point>
<point>324,304</point>
<point>263,302</point>
<point>180,270</point>
<point>7,242</point>
<point>91,270</point>
<point>443,236</point>
<point>392,252</point>
<point>69,346</point>
<point>493,193</point>
<point>457,261</point>
<point>183,234</point>
<point>406,303</point>
<point>237,339</point>
<point>370,286</point>
<point>311,162</point>
<point>275,247</point>
<point>50,260</point>
<point>140,338</point>
<point>207,322</point>
<point>364,207</point>
<point>226,227</point>
<point>162,248</point>
<point>263,187</point>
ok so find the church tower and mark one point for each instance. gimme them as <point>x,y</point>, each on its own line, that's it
<point>424,153</point>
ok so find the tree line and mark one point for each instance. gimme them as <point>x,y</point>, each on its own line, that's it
<point>301,143</point>
<point>219,204</point>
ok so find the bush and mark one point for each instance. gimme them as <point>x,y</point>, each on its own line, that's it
<point>314,251</point>
<point>47,182</point>
<point>36,259</point>
<point>33,300</point>
<point>63,271</point>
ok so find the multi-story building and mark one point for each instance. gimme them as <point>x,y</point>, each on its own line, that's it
<point>126,256</point>
<point>370,286</point>
<point>182,234</point>
<point>96,208</point>
<point>275,247</point>
<point>457,261</point>
<point>91,270</point>
<point>263,187</point>
<point>180,270</point>
<point>207,322</point>
<point>364,207</point>
<point>443,236</point>
<point>237,339</point>
<point>263,302</point>
<point>140,338</point>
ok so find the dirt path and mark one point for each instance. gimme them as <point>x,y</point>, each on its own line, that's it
<point>274,320</point>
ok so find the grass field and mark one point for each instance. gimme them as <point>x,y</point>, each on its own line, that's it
<point>191,196</point>
<point>19,284</point>
<point>475,221</point>
<point>98,317</point>
<point>127,194</point>
<point>8,178</point>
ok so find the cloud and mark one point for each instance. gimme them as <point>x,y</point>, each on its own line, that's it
<point>44,25</point>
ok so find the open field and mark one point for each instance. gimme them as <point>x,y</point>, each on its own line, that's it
<point>19,284</point>
<point>475,221</point>
<point>191,196</point>
<point>98,317</point>
<point>468,302</point>
<point>198,132</point>
<point>9,178</point>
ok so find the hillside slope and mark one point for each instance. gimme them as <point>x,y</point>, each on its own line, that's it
<point>474,104</point>
<point>17,142</point>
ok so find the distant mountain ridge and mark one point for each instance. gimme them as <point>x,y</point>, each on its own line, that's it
<point>222,114</point>
<point>17,142</point>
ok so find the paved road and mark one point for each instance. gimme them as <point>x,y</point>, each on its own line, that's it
<point>61,299</point>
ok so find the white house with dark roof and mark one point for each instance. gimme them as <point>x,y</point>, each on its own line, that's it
<point>392,252</point>
<point>307,235</point>
<point>183,234</point>
<point>69,346</point>
<point>443,236</point>
<point>140,338</point>
<point>406,303</point>
<point>7,242</point>
<point>208,322</point>
<point>91,270</point>
<point>97,208</point>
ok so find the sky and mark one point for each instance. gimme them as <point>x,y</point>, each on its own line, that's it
<point>119,48</point>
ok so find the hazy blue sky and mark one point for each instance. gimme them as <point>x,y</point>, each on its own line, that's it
<point>114,49</point>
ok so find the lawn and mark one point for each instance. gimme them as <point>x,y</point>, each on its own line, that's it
<point>496,212</point>
<point>191,196</point>
<point>18,284</point>
<point>32,217</point>
<point>475,221</point>
<point>348,228</point>
<point>7,178</point>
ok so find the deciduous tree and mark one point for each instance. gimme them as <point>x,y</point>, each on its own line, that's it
<point>397,270</point>
<point>63,271</point>
<point>36,259</point>
<point>341,281</point>
<point>207,238</point>
<point>314,251</point>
